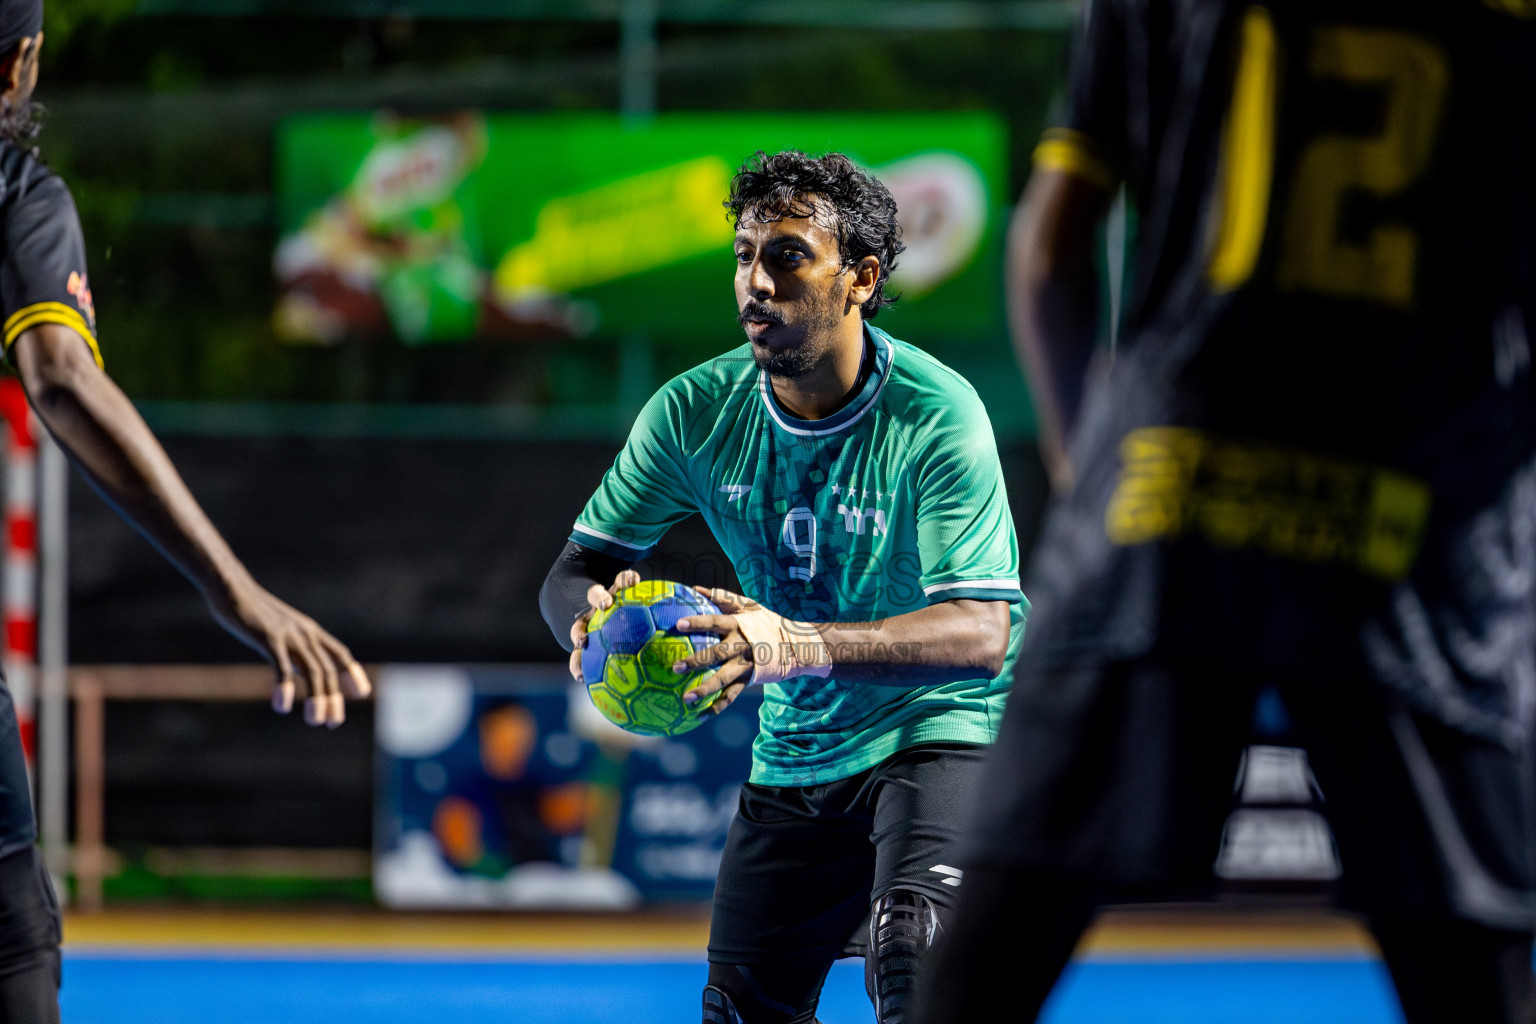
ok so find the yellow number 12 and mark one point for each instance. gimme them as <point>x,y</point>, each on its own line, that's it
<point>1413,75</point>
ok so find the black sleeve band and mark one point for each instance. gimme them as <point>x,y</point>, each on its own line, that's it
<point>564,595</point>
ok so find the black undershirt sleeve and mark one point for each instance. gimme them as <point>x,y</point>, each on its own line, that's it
<point>564,595</point>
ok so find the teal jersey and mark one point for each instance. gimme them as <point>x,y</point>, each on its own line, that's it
<point>892,503</point>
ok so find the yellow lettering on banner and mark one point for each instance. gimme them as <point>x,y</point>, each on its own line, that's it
<point>1291,504</point>
<point>625,227</point>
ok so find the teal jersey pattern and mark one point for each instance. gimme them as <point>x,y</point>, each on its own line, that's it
<point>893,503</point>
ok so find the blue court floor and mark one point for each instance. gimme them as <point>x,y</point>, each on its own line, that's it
<point>341,989</point>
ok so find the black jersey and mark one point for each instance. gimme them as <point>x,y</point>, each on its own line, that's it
<point>1314,451</point>
<point>42,273</point>
<point>42,280</point>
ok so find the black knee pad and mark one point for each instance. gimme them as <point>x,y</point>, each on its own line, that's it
<point>737,994</point>
<point>29,915</point>
<point>902,925</point>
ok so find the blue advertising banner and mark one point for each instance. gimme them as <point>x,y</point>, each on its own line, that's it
<point>502,787</point>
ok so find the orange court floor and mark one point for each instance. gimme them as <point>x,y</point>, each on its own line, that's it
<point>670,933</point>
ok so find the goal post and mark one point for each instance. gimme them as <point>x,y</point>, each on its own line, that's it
<point>35,574</point>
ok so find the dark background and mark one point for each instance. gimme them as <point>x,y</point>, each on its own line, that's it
<point>410,550</point>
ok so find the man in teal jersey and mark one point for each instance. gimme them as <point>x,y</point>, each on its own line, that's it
<point>854,483</point>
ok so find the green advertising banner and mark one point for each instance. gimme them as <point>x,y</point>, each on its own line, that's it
<point>548,227</point>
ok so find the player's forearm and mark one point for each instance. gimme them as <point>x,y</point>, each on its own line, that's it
<point>1051,324</point>
<point>945,642</point>
<point>563,597</point>
<point>1053,305</point>
<point>109,442</point>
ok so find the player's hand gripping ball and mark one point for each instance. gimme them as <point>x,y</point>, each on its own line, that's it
<point>627,661</point>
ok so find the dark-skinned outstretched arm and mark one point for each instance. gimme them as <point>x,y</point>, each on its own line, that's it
<point>106,439</point>
<point>1053,306</point>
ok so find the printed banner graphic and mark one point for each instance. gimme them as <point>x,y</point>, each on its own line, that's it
<point>522,226</point>
<point>502,787</point>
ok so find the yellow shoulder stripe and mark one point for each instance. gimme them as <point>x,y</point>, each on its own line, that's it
<point>50,313</point>
<point>1072,152</point>
<point>1247,155</point>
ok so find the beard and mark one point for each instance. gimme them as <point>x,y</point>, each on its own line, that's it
<point>789,363</point>
<point>817,325</point>
<point>21,122</point>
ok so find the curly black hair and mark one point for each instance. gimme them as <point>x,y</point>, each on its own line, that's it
<point>862,212</point>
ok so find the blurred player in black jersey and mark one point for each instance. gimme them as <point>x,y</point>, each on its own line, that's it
<point>1310,466</point>
<point>50,340</point>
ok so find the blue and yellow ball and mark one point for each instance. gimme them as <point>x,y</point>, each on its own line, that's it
<point>631,647</point>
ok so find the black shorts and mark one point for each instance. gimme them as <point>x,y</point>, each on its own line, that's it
<point>1124,772</point>
<point>802,864</point>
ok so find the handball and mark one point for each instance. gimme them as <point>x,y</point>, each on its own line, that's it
<point>627,661</point>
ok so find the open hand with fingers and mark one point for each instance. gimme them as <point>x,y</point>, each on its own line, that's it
<point>757,645</point>
<point>598,598</point>
<point>108,441</point>
<point>312,665</point>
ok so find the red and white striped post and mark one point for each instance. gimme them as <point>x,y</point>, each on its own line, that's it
<point>18,651</point>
